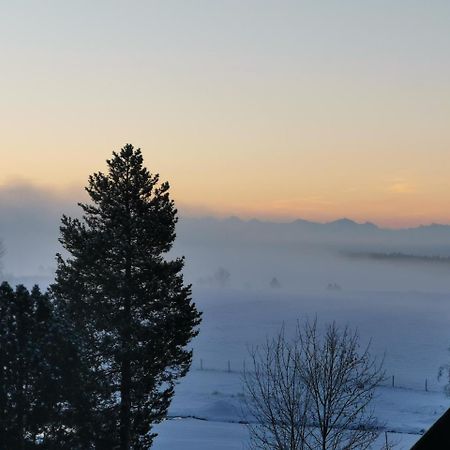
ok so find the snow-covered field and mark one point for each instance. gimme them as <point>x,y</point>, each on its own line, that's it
<point>409,328</point>
<point>191,434</point>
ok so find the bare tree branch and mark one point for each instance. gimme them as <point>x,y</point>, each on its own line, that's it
<point>312,392</point>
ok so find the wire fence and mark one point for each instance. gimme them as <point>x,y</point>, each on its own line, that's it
<point>428,384</point>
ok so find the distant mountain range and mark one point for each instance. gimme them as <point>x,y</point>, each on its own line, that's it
<point>342,223</point>
<point>342,235</point>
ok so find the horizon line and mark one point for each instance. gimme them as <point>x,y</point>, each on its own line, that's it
<point>341,220</point>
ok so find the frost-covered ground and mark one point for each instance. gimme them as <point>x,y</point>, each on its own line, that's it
<point>192,434</point>
<point>201,416</point>
<point>410,328</point>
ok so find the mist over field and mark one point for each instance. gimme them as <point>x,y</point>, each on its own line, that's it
<point>305,255</point>
<point>300,255</point>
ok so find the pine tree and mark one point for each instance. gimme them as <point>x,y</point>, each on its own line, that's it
<point>129,302</point>
<point>37,362</point>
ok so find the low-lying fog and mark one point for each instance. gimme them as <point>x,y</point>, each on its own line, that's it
<point>250,276</point>
<point>301,255</point>
<point>297,256</point>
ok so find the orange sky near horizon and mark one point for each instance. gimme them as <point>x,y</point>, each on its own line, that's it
<point>272,110</point>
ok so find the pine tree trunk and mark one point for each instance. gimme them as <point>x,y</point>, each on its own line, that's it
<point>125,404</point>
<point>21,423</point>
<point>21,383</point>
<point>125,387</point>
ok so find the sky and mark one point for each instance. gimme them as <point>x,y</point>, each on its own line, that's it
<point>255,108</point>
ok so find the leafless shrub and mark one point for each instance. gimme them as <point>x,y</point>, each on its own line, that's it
<point>312,392</point>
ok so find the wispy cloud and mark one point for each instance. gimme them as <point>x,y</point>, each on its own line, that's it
<point>402,186</point>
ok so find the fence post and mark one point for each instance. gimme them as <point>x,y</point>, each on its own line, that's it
<point>426,385</point>
<point>229,366</point>
<point>393,381</point>
<point>201,364</point>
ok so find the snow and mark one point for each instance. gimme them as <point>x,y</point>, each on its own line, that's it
<point>208,403</point>
<point>410,329</point>
<point>191,434</point>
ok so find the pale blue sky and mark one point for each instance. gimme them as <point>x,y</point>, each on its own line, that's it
<point>346,104</point>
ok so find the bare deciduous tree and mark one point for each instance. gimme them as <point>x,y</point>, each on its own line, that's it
<point>444,372</point>
<point>222,277</point>
<point>276,397</point>
<point>2,252</point>
<point>312,392</point>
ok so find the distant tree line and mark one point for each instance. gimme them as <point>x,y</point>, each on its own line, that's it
<point>92,363</point>
<point>400,257</point>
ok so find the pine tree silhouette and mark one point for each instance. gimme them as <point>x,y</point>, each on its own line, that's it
<point>134,313</point>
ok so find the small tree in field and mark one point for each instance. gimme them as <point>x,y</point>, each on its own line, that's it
<point>2,252</point>
<point>312,392</point>
<point>133,312</point>
<point>444,372</point>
